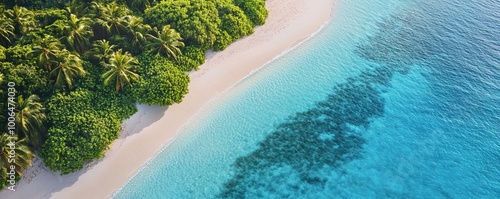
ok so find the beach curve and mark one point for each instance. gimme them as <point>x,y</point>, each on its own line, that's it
<point>144,134</point>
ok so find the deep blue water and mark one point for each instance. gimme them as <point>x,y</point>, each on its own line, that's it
<point>393,99</point>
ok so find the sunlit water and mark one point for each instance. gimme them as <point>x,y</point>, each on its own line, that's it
<point>393,99</point>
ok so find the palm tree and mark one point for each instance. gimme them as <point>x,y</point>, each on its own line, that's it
<point>22,155</point>
<point>135,35</point>
<point>140,5</point>
<point>6,31</point>
<point>121,70</point>
<point>6,28</point>
<point>110,19</point>
<point>23,19</point>
<point>78,32</point>
<point>67,69</point>
<point>46,51</point>
<point>78,7</point>
<point>101,51</point>
<point>165,42</point>
<point>30,119</point>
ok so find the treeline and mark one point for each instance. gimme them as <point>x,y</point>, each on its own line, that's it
<point>79,67</point>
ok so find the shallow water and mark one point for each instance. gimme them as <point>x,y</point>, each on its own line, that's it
<point>393,99</point>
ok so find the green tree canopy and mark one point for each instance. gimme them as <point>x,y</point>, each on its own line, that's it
<point>100,52</point>
<point>190,59</point>
<point>22,18</point>
<point>29,78</point>
<point>121,70</point>
<point>23,155</point>
<point>196,20</point>
<point>30,119</point>
<point>67,69</point>
<point>84,124</point>
<point>111,19</point>
<point>141,5</point>
<point>165,42</point>
<point>6,28</point>
<point>234,24</point>
<point>77,33</point>
<point>254,9</point>
<point>160,83</point>
<point>135,37</point>
<point>46,52</point>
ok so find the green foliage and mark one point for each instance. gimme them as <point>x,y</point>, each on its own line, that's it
<point>40,3</point>
<point>209,24</point>
<point>165,42</point>
<point>29,78</point>
<point>23,155</point>
<point>121,70</point>
<point>223,40</point>
<point>194,53</point>
<point>106,97</point>
<point>141,5</point>
<point>46,52</point>
<point>6,29</point>
<point>160,83</point>
<point>31,37</point>
<point>234,21</point>
<point>77,33</point>
<point>110,19</point>
<point>49,16</point>
<point>234,25</point>
<point>75,136</point>
<point>115,23</point>
<point>196,20</point>
<point>30,120</point>
<point>100,52</point>
<point>56,29</point>
<point>255,10</point>
<point>135,37</point>
<point>22,18</point>
<point>2,53</point>
<point>84,124</point>
<point>18,54</point>
<point>68,67</point>
<point>191,58</point>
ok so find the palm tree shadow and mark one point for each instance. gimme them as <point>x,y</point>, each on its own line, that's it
<point>145,116</point>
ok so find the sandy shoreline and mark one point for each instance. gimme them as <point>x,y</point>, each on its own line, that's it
<point>146,132</point>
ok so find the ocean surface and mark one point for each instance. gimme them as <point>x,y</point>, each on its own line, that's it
<point>392,99</point>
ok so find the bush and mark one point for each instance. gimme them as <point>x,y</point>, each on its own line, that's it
<point>234,21</point>
<point>29,79</point>
<point>255,10</point>
<point>191,58</point>
<point>49,16</point>
<point>84,123</point>
<point>160,83</point>
<point>2,53</point>
<point>196,20</point>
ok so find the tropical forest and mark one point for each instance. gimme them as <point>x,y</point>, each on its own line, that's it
<point>71,71</point>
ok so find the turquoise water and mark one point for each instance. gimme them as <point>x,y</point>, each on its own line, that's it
<point>393,99</point>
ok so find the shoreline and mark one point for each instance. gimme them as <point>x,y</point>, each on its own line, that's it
<point>148,131</point>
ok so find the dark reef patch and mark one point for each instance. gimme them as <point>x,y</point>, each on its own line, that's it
<point>329,135</point>
<point>324,136</point>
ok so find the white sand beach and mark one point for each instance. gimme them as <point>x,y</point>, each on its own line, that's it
<point>146,132</point>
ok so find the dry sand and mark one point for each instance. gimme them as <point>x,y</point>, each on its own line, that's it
<point>146,132</point>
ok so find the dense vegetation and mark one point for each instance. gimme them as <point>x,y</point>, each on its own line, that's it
<point>79,67</point>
